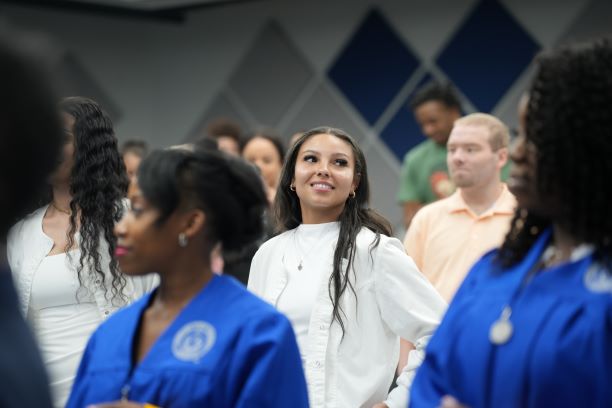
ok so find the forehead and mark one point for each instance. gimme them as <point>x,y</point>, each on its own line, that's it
<point>260,145</point>
<point>325,143</point>
<point>474,134</point>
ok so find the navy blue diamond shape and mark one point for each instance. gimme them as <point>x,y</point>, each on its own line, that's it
<point>373,66</point>
<point>487,54</point>
<point>402,132</point>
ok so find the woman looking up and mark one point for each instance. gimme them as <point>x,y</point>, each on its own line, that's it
<point>62,253</point>
<point>538,311</point>
<point>348,288</point>
<point>200,339</point>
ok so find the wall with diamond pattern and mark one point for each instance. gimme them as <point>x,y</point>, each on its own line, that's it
<point>293,65</point>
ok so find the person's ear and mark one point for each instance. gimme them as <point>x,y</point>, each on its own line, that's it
<point>502,157</point>
<point>194,222</point>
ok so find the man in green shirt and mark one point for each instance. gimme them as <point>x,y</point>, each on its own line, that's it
<point>424,176</point>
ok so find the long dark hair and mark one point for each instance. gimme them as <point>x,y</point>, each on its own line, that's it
<point>227,189</point>
<point>355,214</point>
<point>569,123</point>
<point>98,184</point>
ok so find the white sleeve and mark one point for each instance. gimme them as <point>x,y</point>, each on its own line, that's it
<point>409,305</point>
<point>257,273</point>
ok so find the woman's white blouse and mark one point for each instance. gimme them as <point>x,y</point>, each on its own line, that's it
<point>27,249</point>
<point>393,300</point>
<point>28,245</point>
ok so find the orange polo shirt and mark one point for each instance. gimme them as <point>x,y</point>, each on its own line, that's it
<point>446,238</point>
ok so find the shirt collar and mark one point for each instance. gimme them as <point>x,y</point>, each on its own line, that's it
<point>505,204</point>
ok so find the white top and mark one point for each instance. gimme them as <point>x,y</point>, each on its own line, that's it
<point>313,247</point>
<point>27,249</point>
<point>62,323</point>
<point>27,246</point>
<point>393,300</point>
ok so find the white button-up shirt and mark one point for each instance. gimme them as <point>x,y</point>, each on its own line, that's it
<point>28,245</point>
<point>392,300</point>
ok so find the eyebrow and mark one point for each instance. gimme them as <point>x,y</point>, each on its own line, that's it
<point>333,154</point>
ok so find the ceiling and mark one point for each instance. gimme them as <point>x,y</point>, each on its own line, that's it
<point>169,10</point>
<point>151,5</point>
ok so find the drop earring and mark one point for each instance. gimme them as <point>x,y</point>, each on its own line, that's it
<point>182,240</point>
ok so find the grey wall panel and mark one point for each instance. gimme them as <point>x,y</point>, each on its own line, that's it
<point>271,75</point>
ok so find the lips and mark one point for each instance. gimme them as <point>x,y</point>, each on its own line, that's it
<point>322,186</point>
<point>121,251</point>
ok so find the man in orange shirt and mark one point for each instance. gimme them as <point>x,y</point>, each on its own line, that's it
<point>447,237</point>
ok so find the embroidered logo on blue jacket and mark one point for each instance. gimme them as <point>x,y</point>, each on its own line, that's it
<point>193,341</point>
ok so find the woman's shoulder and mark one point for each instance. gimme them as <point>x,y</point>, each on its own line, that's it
<point>32,219</point>
<point>271,244</point>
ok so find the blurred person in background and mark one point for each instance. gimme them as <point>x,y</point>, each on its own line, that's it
<point>30,143</point>
<point>62,254</point>
<point>132,153</point>
<point>424,177</point>
<point>227,133</point>
<point>266,151</point>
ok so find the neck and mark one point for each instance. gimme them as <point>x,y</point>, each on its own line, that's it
<point>320,217</point>
<point>564,243</point>
<point>182,283</point>
<point>480,199</point>
<point>62,197</point>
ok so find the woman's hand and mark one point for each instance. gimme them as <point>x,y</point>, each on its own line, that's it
<point>450,402</point>
<point>380,405</point>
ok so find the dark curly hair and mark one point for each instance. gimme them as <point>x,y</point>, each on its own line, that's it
<point>355,214</point>
<point>98,184</point>
<point>569,122</point>
<point>227,189</point>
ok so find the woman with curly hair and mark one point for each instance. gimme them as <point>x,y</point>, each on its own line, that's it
<point>531,326</point>
<point>62,253</point>
<point>348,287</point>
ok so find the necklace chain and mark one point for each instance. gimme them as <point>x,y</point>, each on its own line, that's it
<point>59,209</point>
<point>303,254</point>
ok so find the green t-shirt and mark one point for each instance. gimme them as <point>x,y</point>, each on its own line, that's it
<point>424,177</point>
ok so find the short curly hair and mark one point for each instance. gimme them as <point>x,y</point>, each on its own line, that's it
<point>569,121</point>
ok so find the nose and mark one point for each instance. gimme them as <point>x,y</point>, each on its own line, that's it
<point>119,229</point>
<point>323,171</point>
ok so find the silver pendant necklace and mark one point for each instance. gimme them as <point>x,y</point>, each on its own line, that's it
<point>302,254</point>
<point>501,330</point>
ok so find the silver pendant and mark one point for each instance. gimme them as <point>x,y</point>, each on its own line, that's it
<point>502,329</point>
<point>300,265</point>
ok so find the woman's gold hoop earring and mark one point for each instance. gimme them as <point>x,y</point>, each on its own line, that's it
<point>352,194</point>
<point>292,187</point>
